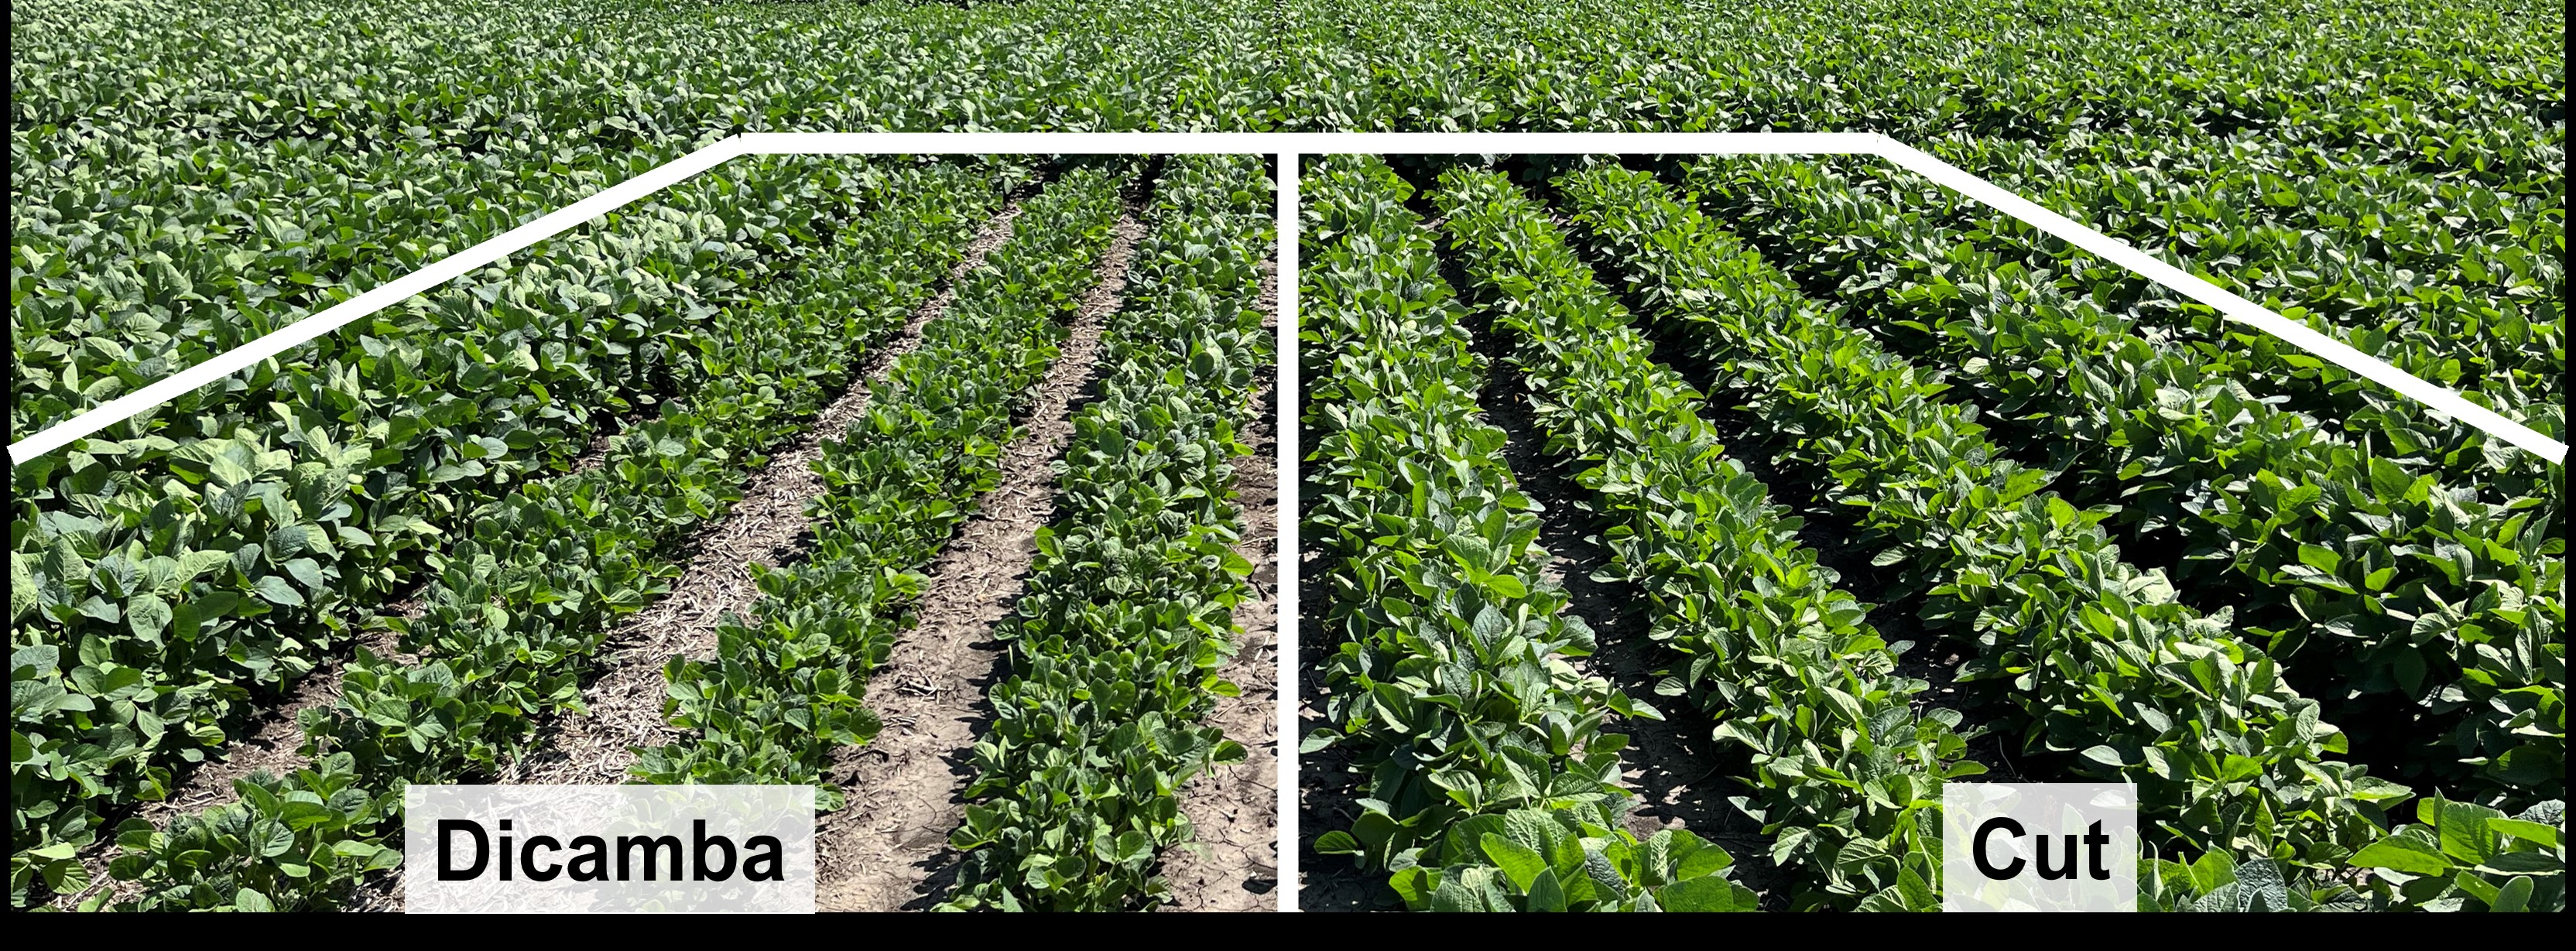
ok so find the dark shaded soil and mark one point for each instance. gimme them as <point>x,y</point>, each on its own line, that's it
<point>1327,781</point>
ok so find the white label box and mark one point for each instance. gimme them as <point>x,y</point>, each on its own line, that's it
<point>556,849</point>
<point>2039,847</point>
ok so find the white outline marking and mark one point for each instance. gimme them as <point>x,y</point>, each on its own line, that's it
<point>2439,399</point>
<point>1288,146</point>
<point>1291,456</point>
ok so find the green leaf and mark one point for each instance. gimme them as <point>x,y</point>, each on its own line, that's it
<point>1705,894</point>
<point>2402,854</point>
<point>1521,864</point>
<point>2514,896</point>
<point>1545,893</point>
<point>1337,842</point>
<point>148,616</point>
<point>275,590</point>
<point>2464,831</point>
<point>1702,861</point>
<point>2541,834</point>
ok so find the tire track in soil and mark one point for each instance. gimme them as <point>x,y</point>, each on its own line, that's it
<point>888,849</point>
<point>1234,808</point>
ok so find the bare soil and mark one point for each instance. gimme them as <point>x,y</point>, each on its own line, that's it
<point>889,849</point>
<point>766,526</point>
<point>1233,865</point>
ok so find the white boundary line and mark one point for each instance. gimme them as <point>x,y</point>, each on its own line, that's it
<point>1292,454</point>
<point>2440,399</point>
<point>2437,398</point>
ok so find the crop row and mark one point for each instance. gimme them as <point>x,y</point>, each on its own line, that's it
<point>1114,648</point>
<point>1843,771</point>
<point>2105,670</point>
<point>2459,105</point>
<point>516,611</point>
<point>160,126</point>
<point>181,582</point>
<point>2500,338</point>
<point>2444,588</point>
<point>184,178</point>
<point>2454,279</point>
<point>2101,658</point>
<point>157,128</point>
<point>2462,86</point>
<point>2457,855</point>
<point>1491,781</point>
<point>782,691</point>
<point>2420,207</point>
<point>190,178</point>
